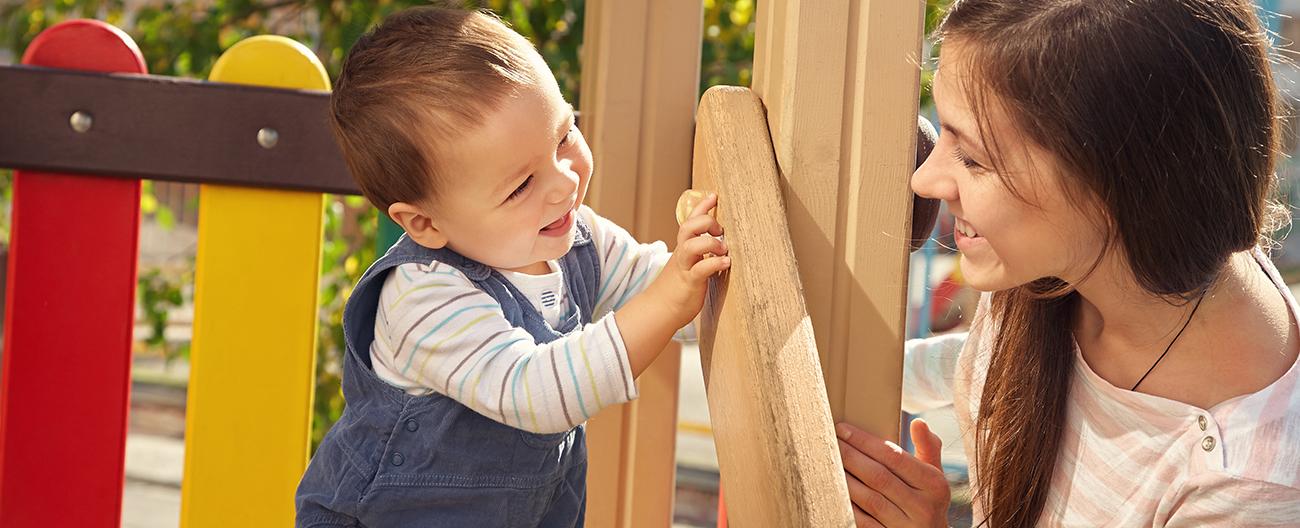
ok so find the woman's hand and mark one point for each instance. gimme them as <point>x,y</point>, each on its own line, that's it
<point>888,486</point>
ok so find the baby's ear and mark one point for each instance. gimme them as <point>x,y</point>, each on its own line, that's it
<point>417,224</point>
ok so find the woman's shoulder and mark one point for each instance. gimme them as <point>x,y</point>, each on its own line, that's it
<point>1261,429</point>
<point>1261,432</point>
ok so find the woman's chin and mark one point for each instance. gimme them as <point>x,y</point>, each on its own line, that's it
<point>983,278</point>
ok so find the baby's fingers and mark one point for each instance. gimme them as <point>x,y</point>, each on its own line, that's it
<point>696,226</point>
<point>694,249</point>
<point>702,207</point>
<point>710,266</point>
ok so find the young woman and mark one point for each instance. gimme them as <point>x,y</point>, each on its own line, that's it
<point>1110,164</point>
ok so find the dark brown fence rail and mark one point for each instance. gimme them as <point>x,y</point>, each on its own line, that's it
<point>164,128</point>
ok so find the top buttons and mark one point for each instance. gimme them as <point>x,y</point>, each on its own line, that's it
<point>1208,443</point>
<point>1201,421</point>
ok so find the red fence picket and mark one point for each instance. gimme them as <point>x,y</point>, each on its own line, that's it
<point>64,384</point>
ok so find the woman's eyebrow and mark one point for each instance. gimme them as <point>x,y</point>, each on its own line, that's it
<point>964,139</point>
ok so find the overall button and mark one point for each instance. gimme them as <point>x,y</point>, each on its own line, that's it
<point>412,425</point>
<point>1208,443</point>
<point>1200,420</point>
<point>398,459</point>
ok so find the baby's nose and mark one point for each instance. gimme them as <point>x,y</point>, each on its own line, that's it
<point>563,184</point>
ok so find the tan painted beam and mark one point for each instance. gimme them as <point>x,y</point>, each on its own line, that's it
<point>840,80</point>
<point>641,64</point>
<point>771,420</point>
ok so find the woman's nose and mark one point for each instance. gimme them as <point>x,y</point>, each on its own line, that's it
<point>933,179</point>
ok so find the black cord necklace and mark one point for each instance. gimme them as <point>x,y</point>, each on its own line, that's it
<point>1171,343</point>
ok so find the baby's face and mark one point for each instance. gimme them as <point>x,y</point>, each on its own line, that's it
<point>514,185</point>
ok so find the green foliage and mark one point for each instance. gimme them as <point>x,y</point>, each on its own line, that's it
<point>727,56</point>
<point>159,292</point>
<point>344,259</point>
<point>6,198</point>
<point>934,11</point>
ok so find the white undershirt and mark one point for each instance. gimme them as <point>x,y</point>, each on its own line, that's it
<point>545,291</point>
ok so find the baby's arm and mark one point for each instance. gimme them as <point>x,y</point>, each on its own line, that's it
<point>440,332</point>
<point>929,367</point>
<point>626,266</point>
<point>654,293</point>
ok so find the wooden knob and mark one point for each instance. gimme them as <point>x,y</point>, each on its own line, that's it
<point>687,202</point>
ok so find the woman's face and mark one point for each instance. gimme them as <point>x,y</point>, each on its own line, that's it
<point>1005,241</point>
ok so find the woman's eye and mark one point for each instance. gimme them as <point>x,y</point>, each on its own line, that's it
<point>520,190</point>
<point>965,160</point>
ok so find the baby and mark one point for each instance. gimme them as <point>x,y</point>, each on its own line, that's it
<point>509,313</point>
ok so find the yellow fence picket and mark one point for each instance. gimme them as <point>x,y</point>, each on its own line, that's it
<point>250,393</point>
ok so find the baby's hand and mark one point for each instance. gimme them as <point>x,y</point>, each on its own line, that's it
<point>681,284</point>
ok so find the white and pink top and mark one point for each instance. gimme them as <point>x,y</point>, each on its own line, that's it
<point>1132,459</point>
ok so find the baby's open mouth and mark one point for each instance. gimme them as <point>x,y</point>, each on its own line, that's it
<point>560,225</point>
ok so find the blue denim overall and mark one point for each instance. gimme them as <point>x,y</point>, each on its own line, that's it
<point>396,460</point>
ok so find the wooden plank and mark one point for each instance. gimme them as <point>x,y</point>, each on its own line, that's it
<point>256,283</point>
<point>65,379</point>
<point>777,450</point>
<point>799,56</point>
<point>169,129</point>
<point>641,66</point>
<point>840,82</point>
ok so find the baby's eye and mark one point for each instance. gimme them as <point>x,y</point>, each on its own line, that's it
<point>520,190</point>
<point>567,139</point>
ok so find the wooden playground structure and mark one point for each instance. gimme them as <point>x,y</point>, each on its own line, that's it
<point>811,163</point>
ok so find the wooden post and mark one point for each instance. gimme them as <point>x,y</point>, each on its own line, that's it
<point>776,442</point>
<point>840,80</point>
<point>641,64</point>
<point>257,277</point>
<point>65,380</point>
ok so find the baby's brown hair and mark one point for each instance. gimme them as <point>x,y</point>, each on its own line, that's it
<point>419,79</point>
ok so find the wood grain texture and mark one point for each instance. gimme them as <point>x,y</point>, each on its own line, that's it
<point>777,450</point>
<point>839,79</point>
<point>641,63</point>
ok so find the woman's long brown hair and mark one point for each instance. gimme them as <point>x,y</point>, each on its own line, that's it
<point>1162,115</point>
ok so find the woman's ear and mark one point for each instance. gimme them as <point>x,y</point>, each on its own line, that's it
<point>417,224</point>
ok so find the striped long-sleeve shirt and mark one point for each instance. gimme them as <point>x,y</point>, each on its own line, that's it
<point>436,332</point>
<point>1133,459</point>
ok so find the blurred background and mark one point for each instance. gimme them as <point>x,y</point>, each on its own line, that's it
<point>184,38</point>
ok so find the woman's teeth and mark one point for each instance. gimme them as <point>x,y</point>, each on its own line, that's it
<point>966,229</point>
